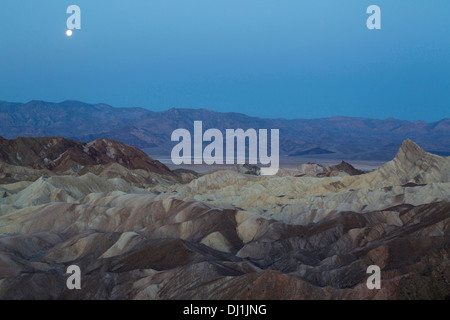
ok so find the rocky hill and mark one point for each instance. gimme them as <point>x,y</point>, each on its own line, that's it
<point>28,159</point>
<point>60,154</point>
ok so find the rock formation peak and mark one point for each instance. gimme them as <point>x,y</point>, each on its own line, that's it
<point>412,164</point>
<point>410,150</point>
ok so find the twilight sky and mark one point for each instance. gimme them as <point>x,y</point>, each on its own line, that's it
<point>277,58</point>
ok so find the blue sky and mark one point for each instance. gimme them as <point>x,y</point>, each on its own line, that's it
<point>283,58</point>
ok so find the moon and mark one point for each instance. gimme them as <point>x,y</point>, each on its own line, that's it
<point>69,33</point>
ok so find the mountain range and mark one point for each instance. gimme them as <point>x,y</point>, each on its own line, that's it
<point>334,138</point>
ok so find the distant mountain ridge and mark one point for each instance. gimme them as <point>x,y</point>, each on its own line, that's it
<point>334,138</point>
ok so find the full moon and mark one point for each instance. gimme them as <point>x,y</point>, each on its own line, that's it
<point>69,33</point>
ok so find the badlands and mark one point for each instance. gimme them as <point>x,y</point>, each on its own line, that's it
<point>139,230</point>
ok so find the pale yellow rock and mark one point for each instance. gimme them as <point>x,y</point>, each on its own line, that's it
<point>248,229</point>
<point>241,216</point>
<point>117,248</point>
<point>217,241</point>
<point>15,187</point>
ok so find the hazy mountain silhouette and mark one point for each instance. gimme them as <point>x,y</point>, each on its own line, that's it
<point>336,137</point>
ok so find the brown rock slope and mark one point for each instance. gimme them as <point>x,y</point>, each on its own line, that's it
<point>31,158</point>
<point>60,154</point>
